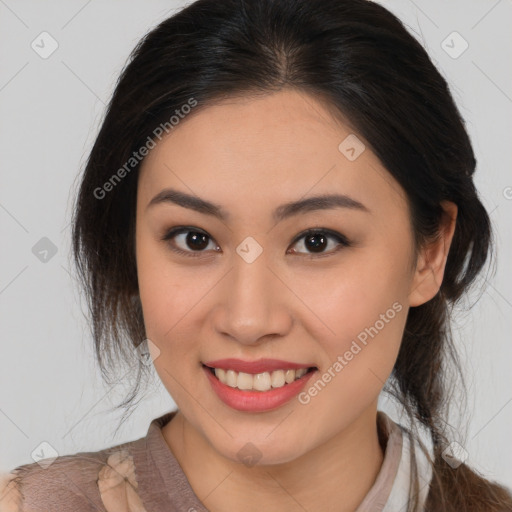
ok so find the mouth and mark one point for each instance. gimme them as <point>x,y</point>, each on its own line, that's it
<point>262,381</point>
<point>257,386</point>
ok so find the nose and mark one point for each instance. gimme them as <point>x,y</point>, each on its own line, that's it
<point>252,307</point>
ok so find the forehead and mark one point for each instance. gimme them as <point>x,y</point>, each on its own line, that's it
<point>268,149</point>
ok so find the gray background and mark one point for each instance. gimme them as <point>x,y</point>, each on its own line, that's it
<point>50,111</point>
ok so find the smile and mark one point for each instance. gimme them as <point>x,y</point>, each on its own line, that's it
<point>256,386</point>
<point>259,382</point>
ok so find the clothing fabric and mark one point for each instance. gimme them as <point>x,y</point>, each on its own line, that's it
<point>144,476</point>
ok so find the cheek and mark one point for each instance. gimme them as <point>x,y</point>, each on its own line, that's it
<point>174,309</point>
<point>357,361</point>
<point>358,322</point>
<point>360,355</point>
<point>167,300</point>
<point>164,293</point>
<point>362,299</point>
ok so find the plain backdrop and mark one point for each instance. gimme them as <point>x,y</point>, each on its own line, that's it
<point>50,109</point>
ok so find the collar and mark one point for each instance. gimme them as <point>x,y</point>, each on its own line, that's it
<point>391,490</point>
<point>168,488</point>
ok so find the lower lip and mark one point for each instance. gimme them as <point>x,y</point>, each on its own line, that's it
<point>256,401</point>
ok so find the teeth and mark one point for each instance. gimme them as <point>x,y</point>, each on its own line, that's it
<point>277,379</point>
<point>261,381</point>
<point>289,376</point>
<point>231,378</point>
<point>244,381</point>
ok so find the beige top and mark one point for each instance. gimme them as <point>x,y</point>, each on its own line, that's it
<point>144,476</point>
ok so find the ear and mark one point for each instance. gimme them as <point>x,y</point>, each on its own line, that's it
<point>429,272</point>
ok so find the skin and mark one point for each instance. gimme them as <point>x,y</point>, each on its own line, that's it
<point>250,155</point>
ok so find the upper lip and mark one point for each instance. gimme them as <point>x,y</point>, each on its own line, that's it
<point>254,367</point>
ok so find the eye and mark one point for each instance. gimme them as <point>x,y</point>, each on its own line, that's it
<point>194,241</point>
<point>190,238</point>
<point>316,240</point>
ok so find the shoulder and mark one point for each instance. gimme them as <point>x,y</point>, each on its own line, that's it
<point>10,498</point>
<point>86,481</point>
<point>49,483</point>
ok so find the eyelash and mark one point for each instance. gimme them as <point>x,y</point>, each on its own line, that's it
<point>342,240</point>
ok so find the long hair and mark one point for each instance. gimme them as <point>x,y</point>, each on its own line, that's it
<point>359,59</point>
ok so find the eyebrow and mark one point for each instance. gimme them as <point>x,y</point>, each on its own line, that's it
<point>321,202</point>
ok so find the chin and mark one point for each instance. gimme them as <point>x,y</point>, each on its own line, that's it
<point>252,451</point>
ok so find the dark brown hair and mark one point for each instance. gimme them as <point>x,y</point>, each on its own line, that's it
<point>358,58</point>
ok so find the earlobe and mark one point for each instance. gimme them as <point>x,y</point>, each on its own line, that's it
<point>432,259</point>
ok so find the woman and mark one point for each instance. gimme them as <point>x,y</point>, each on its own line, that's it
<point>279,208</point>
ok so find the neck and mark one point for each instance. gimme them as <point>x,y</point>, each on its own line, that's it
<point>336,475</point>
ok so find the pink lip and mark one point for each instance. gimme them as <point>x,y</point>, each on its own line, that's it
<point>256,401</point>
<point>254,367</point>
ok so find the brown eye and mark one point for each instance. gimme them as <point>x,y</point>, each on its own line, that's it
<point>188,241</point>
<point>316,241</point>
<point>196,241</point>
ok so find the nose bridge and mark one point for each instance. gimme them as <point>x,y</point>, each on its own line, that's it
<point>251,308</point>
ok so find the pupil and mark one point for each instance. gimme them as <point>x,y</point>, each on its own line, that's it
<point>197,240</point>
<point>316,247</point>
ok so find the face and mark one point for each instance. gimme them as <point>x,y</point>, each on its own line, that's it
<point>253,285</point>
